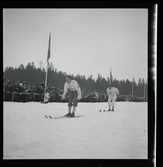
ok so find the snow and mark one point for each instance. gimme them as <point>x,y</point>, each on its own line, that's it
<point>122,134</point>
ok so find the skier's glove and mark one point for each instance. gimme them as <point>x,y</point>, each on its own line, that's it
<point>78,98</point>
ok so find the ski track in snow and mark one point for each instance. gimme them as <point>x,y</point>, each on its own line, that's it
<point>28,134</point>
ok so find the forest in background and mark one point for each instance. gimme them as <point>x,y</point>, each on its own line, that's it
<point>32,75</point>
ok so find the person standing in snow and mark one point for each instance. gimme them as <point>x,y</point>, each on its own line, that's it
<point>46,96</point>
<point>112,93</point>
<point>74,95</point>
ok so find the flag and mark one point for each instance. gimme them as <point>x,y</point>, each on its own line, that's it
<point>133,80</point>
<point>48,56</point>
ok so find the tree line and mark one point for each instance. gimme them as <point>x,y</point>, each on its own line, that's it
<point>32,75</point>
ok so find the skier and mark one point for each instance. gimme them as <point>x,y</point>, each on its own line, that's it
<point>46,96</point>
<point>74,95</point>
<point>112,93</point>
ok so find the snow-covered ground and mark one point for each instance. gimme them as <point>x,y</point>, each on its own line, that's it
<point>122,134</point>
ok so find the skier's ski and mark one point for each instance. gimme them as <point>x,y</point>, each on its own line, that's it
<point>50,117</point>
<point>105,110</point>
<point>101,110</point>
<point>76,116</point>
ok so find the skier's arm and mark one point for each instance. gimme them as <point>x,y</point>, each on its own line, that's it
<point>78,90</point>
<point>65,90</point>
<point>79,93</point>
<point>107,92</point>
<point>117,92</point>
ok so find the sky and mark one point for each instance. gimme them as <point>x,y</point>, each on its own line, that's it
<point>83,41</point>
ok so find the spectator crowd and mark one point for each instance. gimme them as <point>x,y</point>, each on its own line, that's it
<point>24,92</point>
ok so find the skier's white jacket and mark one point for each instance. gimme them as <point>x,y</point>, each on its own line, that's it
<point>73,86</point>
<point>113,92</point>
<point>46,97</point>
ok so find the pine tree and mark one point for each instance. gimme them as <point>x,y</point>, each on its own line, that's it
<point>30,74</point>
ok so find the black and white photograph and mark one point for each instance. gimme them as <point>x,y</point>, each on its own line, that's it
<point>75,83</point>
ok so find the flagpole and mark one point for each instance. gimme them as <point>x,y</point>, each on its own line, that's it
<point>132,86</point>
<point>144,90</point>
<point>110,76</point>
<point>48,56</point>
<point>46,76</point>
